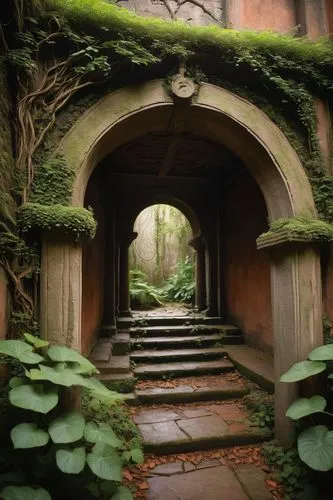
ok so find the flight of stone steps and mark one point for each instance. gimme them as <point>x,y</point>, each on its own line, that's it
<point>173,348</point>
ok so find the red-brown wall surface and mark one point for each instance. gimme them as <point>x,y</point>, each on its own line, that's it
<point>246,269</point>
<point>93,271</point>
<point>329,7</point>
<point>261,15</point>
<point>3,305</point>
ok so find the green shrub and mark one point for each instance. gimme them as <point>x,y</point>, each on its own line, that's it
<point>143,294</point>
<point>180,286</point>
<point>66,453</point>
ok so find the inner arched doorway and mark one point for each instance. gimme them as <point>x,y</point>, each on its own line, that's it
<point>231,122</point>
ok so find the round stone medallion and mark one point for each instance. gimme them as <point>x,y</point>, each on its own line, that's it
<point>183,87</point>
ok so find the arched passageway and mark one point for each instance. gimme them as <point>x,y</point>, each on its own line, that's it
<point>258,175</point>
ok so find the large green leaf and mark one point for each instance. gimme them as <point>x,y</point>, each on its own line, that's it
<point>306,406</point>
<point>137,455</point>
<point>71,461</point>
<point>35,341</point>
<point>315,448</point>
<point>34,397</point>
<point>322,353</point>
<point>303,370</point>
<point>24,493</point>
<point>30,358</point>
<point>67,428</point>
<point>105,462</point>
<point>95,433</point>
<point>14,348</point>
<point>16,382</point>
<point>65,376</point>
<point>28,436</point>
<point>122,493</point>
<point>64,354</point>
<point>102,393</point>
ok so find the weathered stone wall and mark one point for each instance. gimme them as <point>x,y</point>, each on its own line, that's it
<point>6,167</point>
<point>313,17</point>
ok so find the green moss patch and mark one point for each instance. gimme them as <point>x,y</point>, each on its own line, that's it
<point>53,182</point>
<point>76,222</point>
<point>301,228</point>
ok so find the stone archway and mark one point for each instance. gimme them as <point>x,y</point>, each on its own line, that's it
<point>226,118</point>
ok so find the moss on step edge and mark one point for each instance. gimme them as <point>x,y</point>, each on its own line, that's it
<point>74,221</point>
<point>304,228</point>
<point>53,182</point>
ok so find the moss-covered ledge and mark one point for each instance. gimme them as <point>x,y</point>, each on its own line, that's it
<point>74,222</point>
<point>296,230</point>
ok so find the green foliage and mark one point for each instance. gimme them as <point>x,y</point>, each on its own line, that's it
<point>143,294</point>
<point>296,478</point>
<point>180,286</point>
<point>261,408</point>
<point>315,443</point>
<point>302,227</point>
<point>53,182</point>
<point>124,386</point>
<point>75,222</point>
<point>57,449</point>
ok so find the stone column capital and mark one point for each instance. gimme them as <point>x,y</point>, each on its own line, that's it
<point>283,239</point>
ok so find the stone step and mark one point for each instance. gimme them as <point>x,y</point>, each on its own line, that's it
<point>166,321</point>
<point>178,429</point>
<point>186,394</point>
<point>184,330</point>
<point>160,370</point>
<point>186,342</point>
<point>116,365</point>
<point>158,356</point>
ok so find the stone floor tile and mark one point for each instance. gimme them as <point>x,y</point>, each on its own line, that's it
<point>216,483</point>
<point>253,481</point>
<point>168,469</point>
<point>203,427</point>
<point>188,467</point>
<point>162,432</point>
<point>199,412</point>
<point>229,412</point>
<point>205,464</point>
<point>152,416</point>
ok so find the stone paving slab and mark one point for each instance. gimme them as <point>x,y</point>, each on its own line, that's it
<point>153,416</point>
<point>101,351</point>
<point>153,356</point>
<point>215,483</point>
<point>116,364</point>
<point>253,481</point>
<point>162,433</point>
<point>254,364</point>
<point>183,368</point>
<point>203,427</point>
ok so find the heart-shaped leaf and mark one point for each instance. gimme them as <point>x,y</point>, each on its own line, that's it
<point>122,493</point>
<point>315,448</point>
<point>67,428</point>
<point>95,433</point>
<point>64,354</point>
<point>34,397</point>
<point>303,370</point>
<point>105,462</point>
<point>16,382</point>
<point>306,406</point>
<point>30,358</point>
<point>65,377</point>
<point>71,461</point>
<point>137,456</point>
<point>14,348</point>
<point>28,436</point>
<point>102,393</point>
<point>35,341</point>
<point>24,493</point>
<point>322,353</point>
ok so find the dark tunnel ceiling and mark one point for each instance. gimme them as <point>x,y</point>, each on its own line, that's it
<point>167,154</point>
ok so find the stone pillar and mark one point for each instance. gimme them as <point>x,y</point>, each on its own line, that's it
<point>61,292</point>
<point>3,304</point>
<point>297,317</point>
<point>200,273</point>
<point>111,270</point>
<point>125,240</point>
<point>211,278</point>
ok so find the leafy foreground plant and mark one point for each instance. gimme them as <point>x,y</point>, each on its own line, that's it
<point>315,443</point>
<point>142,293</point>
<point>75,455</point>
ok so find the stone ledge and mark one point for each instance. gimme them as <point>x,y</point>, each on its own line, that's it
<point>269,240</point>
